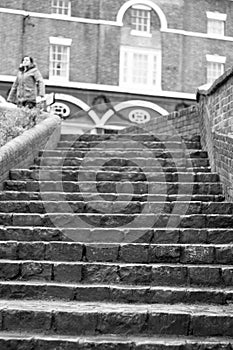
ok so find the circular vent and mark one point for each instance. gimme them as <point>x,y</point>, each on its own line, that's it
<point>139,116</point>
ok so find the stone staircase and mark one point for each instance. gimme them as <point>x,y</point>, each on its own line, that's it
<point>116,242</point>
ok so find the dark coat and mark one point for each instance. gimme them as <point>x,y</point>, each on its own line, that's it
<point>27,86</point>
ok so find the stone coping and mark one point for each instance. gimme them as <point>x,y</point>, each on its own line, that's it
<point>208,89</point>
<point>22,150</point>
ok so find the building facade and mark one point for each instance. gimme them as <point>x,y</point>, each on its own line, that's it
<point>116,62</point>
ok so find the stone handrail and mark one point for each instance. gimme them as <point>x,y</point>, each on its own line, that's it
<point>22,150</point>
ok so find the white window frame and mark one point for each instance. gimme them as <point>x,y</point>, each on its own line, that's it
<point>217,17</point>
<point>59,41</point>
<point>55,7</point>
<point>127,65</point>
<point>138,32</point>
<point>215,59</point>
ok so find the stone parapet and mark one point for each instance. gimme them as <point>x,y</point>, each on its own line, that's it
<point>21,151</point>
<point>216,126</point>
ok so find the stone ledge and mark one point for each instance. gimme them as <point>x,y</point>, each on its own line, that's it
<point>22,150</point>
<point>210,89</point>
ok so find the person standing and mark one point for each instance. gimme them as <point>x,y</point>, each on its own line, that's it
<point>28,88</point>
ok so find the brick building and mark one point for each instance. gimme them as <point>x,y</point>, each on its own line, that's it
<point>104,58</point>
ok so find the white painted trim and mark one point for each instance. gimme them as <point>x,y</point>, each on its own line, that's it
<point>116,88</point>
<point>216,58</point>
<point>58,40</point>
<point>57,17</point>
<point>198,35</point>
<point>111,88</point>
<point>148,3</point>
<point>8,78</point>
<point>117,23</point>
<point>141,7</point>
<point>140,33</point>
<point>132,103</point>
<point>216,15</point>
<point>77,102</point>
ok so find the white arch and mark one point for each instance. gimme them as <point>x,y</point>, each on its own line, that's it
<point>149,3</point>
<point>76,101</point>
<point>132,103</point>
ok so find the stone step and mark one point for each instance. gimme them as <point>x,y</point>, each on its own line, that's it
<point>118,235</point>
<point>114,293</point>
<point>79,318</point>
<point>9,341</point>
<point>124,207</point>
<point>121,162</point>
<point>156,274</point>
<point>108,168</point>
<point>125,154</point>
<point>75,175</point>
<point>129,144</point>
<point>120,188</point>
<point>103,220</point>
<point>132,253</point>
<point>142,136</point>
<point>78,196</point>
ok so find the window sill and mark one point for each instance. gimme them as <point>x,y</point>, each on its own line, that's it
<point>58,79</point>
<point>211,35</point>
<point>139,88</point>
<point>138,33</point>
<point>57,15</point>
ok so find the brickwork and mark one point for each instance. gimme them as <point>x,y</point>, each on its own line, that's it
<point>184,123</point>
<point>216,109</point>
<point>22,150</point>
<point>95,48</point>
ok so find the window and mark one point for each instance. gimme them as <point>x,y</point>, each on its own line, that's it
<point>215,67</point>
<point>140,20</point>
<point>216,23</point>
<point>140,67</point>
<point>59,58</point>
<point>61,7</point>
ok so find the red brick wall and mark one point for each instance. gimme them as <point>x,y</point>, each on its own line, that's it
<point>216,108</point>
<point>95,48</point>
<point>184,124</point>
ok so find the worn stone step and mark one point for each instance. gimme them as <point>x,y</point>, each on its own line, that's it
<point>156,274</point>
<point>109,252</point>
<point>172,147</point>
<point>88,220</point>
<point>76,318</point>
<point>114,293</point>
<point>142,136</point>
<point>75,175</point>
<point>124,207</point>
<point>116,161</point>
<point>119,235</point>
<point>78,196</point>
<point>27,341</point>
<point>128,144</point>
<point>125,154</point>
<point>146,170</point>
<point>120,188</point>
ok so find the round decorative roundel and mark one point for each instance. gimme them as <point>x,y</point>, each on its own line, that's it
<point>139,116</point>
<point>61,109</point>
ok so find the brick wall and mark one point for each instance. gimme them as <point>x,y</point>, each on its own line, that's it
<point>95,48</point>
<point>184,124</point>
<point>216,120</point>
<point>21,151</point>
